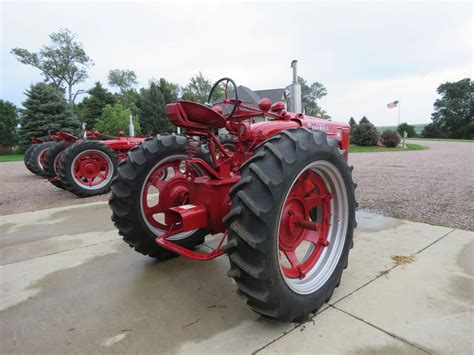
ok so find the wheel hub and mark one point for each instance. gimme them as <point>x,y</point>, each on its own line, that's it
<point>293,211</point>
<point>308,193</point>
<point>175,192</point>
<point>92,169</point>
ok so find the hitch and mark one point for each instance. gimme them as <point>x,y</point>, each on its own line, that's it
<point>186,218</point>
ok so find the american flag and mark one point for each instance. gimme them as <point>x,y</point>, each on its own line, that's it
<point>392,104</point>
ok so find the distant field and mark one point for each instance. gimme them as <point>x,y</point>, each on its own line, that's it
<point>444,140</point>
<point>358,149</point>
<point>5,158</point>
<point>418,127</point>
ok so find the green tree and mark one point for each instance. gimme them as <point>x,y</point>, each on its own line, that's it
<point>198,89</point>
<point>454,110</point>
<point>432,130</point>
<point>91,107</point>
<point>365,133</point>
<point>8,123</point>
<point>352,123</point>
<point>115,119</point>
<point>152,110</point>
<point>408,128</point>
<point>365,120</point>
<point>124,80</point>
<point>46,112</point>
<point>169,90</point>
<point>64,62</point>
<point>310,94</point>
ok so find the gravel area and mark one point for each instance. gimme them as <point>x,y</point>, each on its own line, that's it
<point>433,186</point>
<point>22,191</point>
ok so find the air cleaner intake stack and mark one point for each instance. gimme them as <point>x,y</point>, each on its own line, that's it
<point>295,90</point>
<point>131,128</point>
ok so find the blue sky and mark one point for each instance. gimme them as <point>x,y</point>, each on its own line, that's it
<point>366,54</point>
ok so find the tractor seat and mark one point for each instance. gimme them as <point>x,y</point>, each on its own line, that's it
<point>191,114</point>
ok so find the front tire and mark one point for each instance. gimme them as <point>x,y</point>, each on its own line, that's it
<point>295,192</point>
<point>87,168</point>
<point>155,161</point>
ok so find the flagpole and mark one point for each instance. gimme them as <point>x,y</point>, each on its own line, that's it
<point>398,112</point>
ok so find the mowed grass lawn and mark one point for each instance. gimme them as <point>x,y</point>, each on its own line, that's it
<point>443,140</point>
<point>5,158</point>
<point>410,146</point>
<point>353,149</point>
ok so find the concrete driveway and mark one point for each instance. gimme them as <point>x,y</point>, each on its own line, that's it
<point>69,284</point>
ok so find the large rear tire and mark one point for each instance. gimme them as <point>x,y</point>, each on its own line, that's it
<point>138,180</point>
<point>36,159</point>
<point>291,224</point>
<point>51,164</point>
<point>87,168</point>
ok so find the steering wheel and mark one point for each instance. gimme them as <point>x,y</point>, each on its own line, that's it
<point>226,102</point>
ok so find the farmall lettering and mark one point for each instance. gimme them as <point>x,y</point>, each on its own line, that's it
<point>318,127</point>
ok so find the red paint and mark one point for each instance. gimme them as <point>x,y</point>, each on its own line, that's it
<point>120,144</point>
<point>308,192</point>
<point>278,107</point>
<point>265,104</point>
<point>91,168</point>
<point>207,193</point>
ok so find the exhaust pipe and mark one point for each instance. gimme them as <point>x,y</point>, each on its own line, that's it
<point>295,90</point>
<point>84,131</point>
<point>131,129</point>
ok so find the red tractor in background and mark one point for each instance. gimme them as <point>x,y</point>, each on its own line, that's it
<point>87,167</point>
<point>84,167</point>
<point>34,156</point>
<point>282,197</point>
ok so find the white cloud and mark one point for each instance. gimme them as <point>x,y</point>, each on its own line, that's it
<point>369,97</point>
<point>365,53</point>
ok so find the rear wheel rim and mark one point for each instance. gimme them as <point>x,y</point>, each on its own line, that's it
<point>155,197</point>
<point>92,169</point>
<point>312,227</point>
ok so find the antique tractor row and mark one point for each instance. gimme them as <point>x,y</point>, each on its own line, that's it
<point>84,167</point>
<point>279,200</point>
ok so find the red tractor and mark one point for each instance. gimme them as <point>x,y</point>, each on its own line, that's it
<point>87,167</point>
<point>84,167</point>
<point>280,202</point>
<point>34,155</point>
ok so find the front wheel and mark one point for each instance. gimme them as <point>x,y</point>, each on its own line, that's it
<point>87,168</point>
<point>291,224</point>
